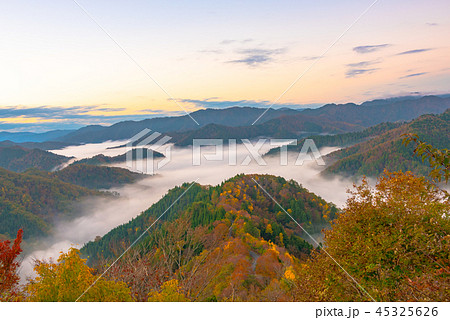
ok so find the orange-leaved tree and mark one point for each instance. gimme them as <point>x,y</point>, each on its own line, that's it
<point>8,268</point>
<point>394,241</point>
<point>68,279</point>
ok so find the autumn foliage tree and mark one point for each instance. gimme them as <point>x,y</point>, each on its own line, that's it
<point>170,292</point>
<point>439,159</point>
<point>393,240</point>
<point>8,268</point>
<point>69,278</point>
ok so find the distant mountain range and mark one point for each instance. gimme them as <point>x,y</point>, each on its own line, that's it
<point>45,145</point>
<point>370,143</point>
<point>343,140</point>
<point>235,116</point>
<point>33,137</point>
<point>374,112</point>
<point>217,123</point>
<point>287,126</point>
<point>286,123</point>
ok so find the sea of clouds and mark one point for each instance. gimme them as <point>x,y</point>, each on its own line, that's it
<point>95,217</point>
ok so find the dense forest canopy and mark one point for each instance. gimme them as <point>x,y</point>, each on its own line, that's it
<point>391,243</point>
<point>386,151</point>
<point>19,159</point>
<point>31,202</point>
<point>237,197</point>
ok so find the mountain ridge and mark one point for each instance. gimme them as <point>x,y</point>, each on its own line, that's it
<point>371,157</point>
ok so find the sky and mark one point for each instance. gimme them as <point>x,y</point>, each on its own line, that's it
<point>60,69</point>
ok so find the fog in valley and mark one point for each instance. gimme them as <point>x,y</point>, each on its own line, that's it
<point>97,216</point>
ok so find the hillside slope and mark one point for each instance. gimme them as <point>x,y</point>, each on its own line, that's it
<point>31,202</point>
<point>90,176</point>
<point>293,126</point>
<point>19,159</point>
<point>343,139</point>
<point>237,199</point>
<point>32,136</point>
<point>102,159</point>
<point>229,242</point>
<point>386,151</point>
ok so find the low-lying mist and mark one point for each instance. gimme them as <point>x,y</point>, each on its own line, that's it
<point>99,215</point>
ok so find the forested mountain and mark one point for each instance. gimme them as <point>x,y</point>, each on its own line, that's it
<point>387,151</point>
<point>374,112</point>
<point>341,140</point>
<point>33,199</point>
<point>232,242</point>
<point>101,159</point>
<point>284,127</point>
<point>31,202</point>
<point>91,176</point>
<point>239,204</point>
<point>390,243</point>
<point>19,159</point>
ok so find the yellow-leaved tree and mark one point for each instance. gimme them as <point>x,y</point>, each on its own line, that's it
<point>393,240</point>
<point>68,279</point>
<point>170,292</point>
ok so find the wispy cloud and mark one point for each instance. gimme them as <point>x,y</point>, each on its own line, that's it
<point>52,112</point>
<point>356,72</point>
<point>413,75</point>
<point>253,60</point>
<point>360,68</point>
<point>256,56</point>
<point>432,24</point>
<point>309,58</point>
<point>363,64</point>
<point>232,41</point>
<point>370,48</point>
<point>214,103</point>
<point>414,51</point>
<point>44,118</point>
<point>215,51</point>
<point>162,112</point>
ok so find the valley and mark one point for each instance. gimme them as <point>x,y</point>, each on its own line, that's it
<point>111,203</point>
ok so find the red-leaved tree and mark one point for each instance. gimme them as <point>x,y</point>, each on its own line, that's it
<point>8,268</point>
